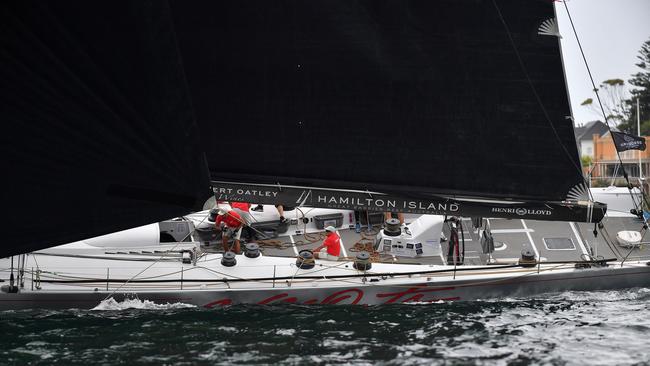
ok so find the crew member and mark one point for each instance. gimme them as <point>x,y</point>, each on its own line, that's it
<point>244,206</point>
<point>231,225</point>
<point>280,208</point>
<point>331,247</point>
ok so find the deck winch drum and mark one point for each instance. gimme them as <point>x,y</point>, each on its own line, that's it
<point>527,258</point>
<point>362,261</point>
<point>393,227</point>
<point>305,259</point>
<point>228,259</point>
<point>252,250</point>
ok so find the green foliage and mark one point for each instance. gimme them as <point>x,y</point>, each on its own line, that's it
<point>586,160</point>
<point>613,82</point>
<point>612,94</point>
<point>641,80</point>
<point>599,182</point>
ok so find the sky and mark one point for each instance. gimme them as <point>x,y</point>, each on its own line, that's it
<point>611,33</point>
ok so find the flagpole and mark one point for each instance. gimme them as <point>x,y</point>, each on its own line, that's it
<point>638,128</point>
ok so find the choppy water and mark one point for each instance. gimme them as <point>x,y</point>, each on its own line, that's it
<point>591,328</point>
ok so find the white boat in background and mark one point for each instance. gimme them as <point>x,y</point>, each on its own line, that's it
<point>617,199</point>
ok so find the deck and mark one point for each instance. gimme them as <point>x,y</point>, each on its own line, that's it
<point>550,241</point>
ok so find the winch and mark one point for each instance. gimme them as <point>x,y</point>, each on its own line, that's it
<point>527,258</point>
<point>362,261</point>
<point>305,259</point>
<point>228,259</point>
<point>252,250</point>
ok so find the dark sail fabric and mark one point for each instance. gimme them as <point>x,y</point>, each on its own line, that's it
<point>624,141</point>
<point>98,129</point>
<point>403,97</point>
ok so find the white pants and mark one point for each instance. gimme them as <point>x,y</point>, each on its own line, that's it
<point>322,254</point>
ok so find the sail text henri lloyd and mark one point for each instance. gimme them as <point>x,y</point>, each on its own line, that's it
<point>522,211</point>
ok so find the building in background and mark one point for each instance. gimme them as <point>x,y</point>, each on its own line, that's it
<point>585,136</point>
<point>606,166</point>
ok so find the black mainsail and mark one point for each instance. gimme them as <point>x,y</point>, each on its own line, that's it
<point>430,105</point>
<point>428,100</point>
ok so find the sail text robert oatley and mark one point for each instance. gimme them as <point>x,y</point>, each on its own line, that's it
<point>245,192</point>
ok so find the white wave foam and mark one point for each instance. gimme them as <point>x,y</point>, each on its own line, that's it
<point>596,295</point>
<point>427,302</point>
<point>112,304</point>
<point>285,332</point>
<point>603,295</point>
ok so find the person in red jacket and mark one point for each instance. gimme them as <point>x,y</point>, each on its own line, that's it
<point>241,205</point>
<point>331,247</point>
<point>231,225</point>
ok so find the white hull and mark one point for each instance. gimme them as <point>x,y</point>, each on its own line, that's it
<point>267,280</point>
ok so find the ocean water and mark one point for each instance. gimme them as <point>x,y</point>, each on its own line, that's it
<point>572,328</point>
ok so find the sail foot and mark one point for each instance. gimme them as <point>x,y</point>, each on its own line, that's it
<point>380,202</point>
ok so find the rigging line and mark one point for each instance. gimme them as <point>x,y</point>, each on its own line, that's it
<point>615,174</point>
<point>593,84</point>
<point>157,260</point>
<point>11,276</point>
<point>538,98</point>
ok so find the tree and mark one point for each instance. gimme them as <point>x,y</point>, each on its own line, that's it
<point>613,95</point>
<point>641,80</point>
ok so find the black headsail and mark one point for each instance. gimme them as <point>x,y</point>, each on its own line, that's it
<point>430,102</point>
<point>99,133</point>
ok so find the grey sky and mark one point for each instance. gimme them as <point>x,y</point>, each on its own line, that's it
<point>611,33</point>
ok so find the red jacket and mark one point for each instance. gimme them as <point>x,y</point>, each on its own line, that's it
<point>241,205</point>
<point>333,244</point>
<point>231,219</point>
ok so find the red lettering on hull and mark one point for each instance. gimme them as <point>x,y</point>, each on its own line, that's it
<point>337,297</point>
<point>413,294</point>
<point>222,302</point>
